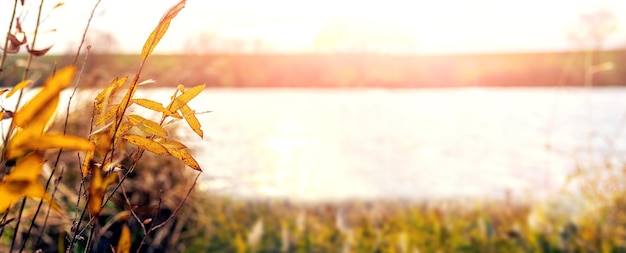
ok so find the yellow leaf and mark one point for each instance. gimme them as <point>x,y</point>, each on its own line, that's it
<point>146,143</point>
<point>102,143</point>
<point>125,102</point>
<point>97,188</point>
<point>124,127</point>
<point>25,141</point>
<point>185,97</point>
<point>123,245</point>
<point>88,162</point>
<point>27,168</point>
<point>192,121</point>
<point>186,158</point>
<point>181,88</point>
<point>160,30</point>
<point>11,191</point>
<point>44,118</point>
<point>51,89</point>
<point>109,114</point>
<point>18,87</point>
<point>155,106</point>
<point>104,97</point>
<point>169,144</point>
<point>146,125</point>
<point>37,191</point>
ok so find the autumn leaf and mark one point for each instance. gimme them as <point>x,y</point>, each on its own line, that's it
<point>192,121</point>
<point>178,150</point>
<point>124,127</point>
<point>123,245</point>
<point>104,97</point>
<point>22,182</point>
<point>50,90</point>
<point>18,87</point>
<point>36,52</point>
<point>169,144</point>
<point>160,30</point>
<point>125,102</point>
<point>27,169</point>
<point>102,142</point>
<point>185,97</point>
<point>109,114</point>
<point>12,191</point>
<point>184,156</point>
<point>146,143</point>
<point>146,125</point>
<point>155,106</point>
<point>44,119</point>
<point>87,165</point>
<point>14,43</point>
<point>26,141</point>
<point>97,188</point>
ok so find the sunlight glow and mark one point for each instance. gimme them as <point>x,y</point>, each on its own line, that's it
<point>447,26</point>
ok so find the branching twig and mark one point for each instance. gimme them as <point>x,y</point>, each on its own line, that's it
<point>180,205</point>
<point>45,220</point>
<point>130,207</point>
<point>4,221</point>
<point>58,156</point>
<point>85,32</point>
<point>6,40</point>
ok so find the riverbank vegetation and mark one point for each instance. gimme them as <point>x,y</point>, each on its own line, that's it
<point>93,207</point>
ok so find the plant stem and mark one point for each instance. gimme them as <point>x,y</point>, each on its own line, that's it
<point>6,41</point>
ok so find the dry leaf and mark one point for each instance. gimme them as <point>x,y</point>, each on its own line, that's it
<point>185,97</point>
<point>192,121</point>
<point>51,89</point>
<point>146,143</point>
<point>104,97</point>
<point>155,106</point>
<point>146,125</point>
<point>36,52</point>
<point>18,87</point>
<point>97,188</point>
<point>184,156</point>
<point>123,245</point>
<point>160,30</point>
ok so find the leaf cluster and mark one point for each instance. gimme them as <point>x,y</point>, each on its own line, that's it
<point>115,136</point>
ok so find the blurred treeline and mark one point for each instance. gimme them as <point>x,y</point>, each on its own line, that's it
<point>347,70</point>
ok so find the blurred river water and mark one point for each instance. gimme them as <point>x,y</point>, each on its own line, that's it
<point>338,144</point>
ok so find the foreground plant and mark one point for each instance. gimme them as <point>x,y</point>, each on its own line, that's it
<point>114,137</point>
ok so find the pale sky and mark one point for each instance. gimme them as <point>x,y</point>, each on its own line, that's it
<point>437,26</point>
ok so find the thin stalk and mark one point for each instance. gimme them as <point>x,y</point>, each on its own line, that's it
<point>82,41</point>
<point>6,41</point>
<point>26,70</point>
<point>45,221</point>
<point>2,62</point>
<point>32,45</point>
<point>4,221</point>
<point>17,225</point>
<point>76,231</point>
<point>58,156</point>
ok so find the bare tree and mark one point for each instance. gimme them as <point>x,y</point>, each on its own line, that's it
<point>593,29</point>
